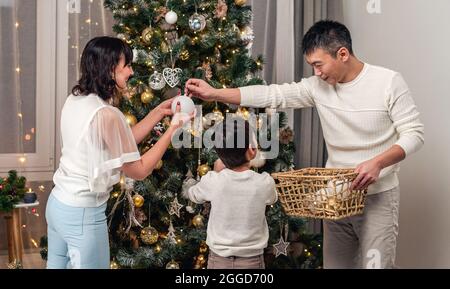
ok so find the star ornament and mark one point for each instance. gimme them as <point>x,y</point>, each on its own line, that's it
<point>281,247</point>
<point>175,207</point>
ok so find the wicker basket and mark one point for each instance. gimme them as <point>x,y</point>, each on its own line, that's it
<point>319,193</point>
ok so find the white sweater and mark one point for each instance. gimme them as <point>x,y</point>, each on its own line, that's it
<point>360,119</point>
<point>237,223</point>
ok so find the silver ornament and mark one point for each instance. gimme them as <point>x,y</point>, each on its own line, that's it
<point>156,81</point>
<point>197,22</point>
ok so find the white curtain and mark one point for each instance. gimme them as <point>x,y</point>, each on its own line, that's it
<point>273,24</point>
<point>17,76</point>
<point>91,21</point>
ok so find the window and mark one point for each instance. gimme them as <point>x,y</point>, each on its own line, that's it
<point>27,87</point>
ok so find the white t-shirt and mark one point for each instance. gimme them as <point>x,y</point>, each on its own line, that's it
<point>237,223</point>
<point>96,142</point>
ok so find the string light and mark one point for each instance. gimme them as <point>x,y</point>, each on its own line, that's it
<point>35,244</point>
<point>22,159</point>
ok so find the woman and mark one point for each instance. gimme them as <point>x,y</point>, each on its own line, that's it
<point>97,144</point>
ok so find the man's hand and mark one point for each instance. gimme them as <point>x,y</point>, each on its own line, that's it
<point>368,173</point>
<point>219,165</point>
<point>201,89</point>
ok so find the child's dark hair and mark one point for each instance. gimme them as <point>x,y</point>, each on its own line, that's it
<point>100,56</point>
<point>232,139</point>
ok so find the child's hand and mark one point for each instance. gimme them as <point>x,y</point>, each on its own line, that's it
<point>218,165</point>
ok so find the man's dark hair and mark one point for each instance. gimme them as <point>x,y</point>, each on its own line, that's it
<point>100,56</point>
<point>329,36</point>
<point>232,138</point>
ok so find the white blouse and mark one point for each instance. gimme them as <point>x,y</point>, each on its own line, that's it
<point>96,142</point>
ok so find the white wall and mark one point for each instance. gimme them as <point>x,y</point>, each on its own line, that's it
<point>413,37</point>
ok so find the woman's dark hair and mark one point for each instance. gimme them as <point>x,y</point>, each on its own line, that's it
<point>232,138</point>
<point>100,56</point>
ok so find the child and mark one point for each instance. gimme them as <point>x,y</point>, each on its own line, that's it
<point>237,228</point>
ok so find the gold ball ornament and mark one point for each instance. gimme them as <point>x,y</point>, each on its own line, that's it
<point>138,200</point>
<point>157,249</point>
<point>201,258</point>
<point>147,35</point>
<point>240,2</point>
<point>164,47</point>
<point>203,170</point>
<point>114,265</point>
<point>131,119</point>
<point>147,96</point>
<point>243,112</point>
<point>172,265</point>
<point>203,247</point>
<point>149,235</point>
<point>184,55</point>
<point>198,221</point>
<point>159,165</point>
<point>331,203</point>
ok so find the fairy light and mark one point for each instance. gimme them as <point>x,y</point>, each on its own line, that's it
<point>27,137</point>
<point>22,159</point>
<point>35,244</point>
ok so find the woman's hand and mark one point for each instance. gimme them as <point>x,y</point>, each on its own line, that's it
<point>164,108</point>
<point>180,118</point>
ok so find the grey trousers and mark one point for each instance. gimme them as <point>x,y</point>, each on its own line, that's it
<point>218,262</point>
<point>366,241</point>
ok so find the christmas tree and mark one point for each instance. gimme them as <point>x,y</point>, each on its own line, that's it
<point>151,224</point>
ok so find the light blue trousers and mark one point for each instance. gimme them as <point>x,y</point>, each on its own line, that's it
<point>77,237</point>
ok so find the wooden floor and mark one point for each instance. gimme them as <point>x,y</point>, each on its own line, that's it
<point>30,261</point>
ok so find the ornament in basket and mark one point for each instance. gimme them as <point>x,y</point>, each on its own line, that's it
<point>321,193</point>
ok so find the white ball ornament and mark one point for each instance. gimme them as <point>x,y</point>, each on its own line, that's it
<point>171,17</point>
<point>186,104</point>
<point>259,160</point>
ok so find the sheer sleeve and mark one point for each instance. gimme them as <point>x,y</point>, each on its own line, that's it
<point>110,144</point>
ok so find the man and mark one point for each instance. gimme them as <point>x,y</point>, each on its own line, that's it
<point>369,121</point>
